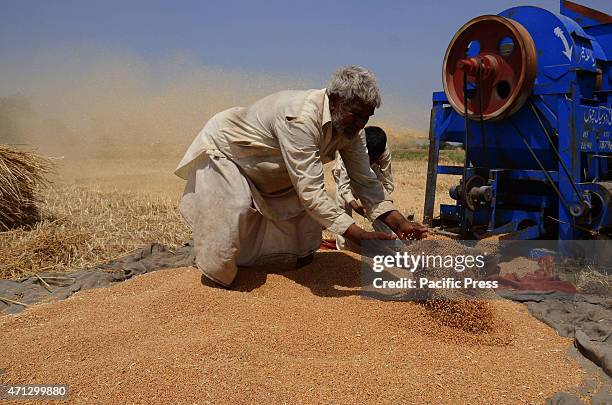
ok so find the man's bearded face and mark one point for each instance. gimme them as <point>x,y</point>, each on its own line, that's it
<point>350,118</point>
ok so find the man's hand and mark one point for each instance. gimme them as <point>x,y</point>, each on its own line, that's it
<point>402,227</point>
<point>411,230</point>
<point>357,207</point>
<point>356,234</point>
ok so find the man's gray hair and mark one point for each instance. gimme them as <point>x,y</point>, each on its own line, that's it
<point>354,82</point>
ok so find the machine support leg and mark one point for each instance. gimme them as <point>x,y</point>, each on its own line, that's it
<point>432,169</point>
<point>567,148</point>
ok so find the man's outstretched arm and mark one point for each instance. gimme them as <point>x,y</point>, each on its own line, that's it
<point>297,139</point>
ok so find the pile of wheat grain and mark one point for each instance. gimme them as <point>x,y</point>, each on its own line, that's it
<point>466,309</point>
<point>470,315</point>
<point>22,174</point>
<point>303,336</point>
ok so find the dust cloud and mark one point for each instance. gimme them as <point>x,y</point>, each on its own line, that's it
<point>85,102</point>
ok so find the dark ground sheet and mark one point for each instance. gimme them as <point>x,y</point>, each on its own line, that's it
<point>62,285</point>
<point>586,318</point>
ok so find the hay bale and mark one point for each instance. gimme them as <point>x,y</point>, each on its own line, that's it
<point>22,173</point>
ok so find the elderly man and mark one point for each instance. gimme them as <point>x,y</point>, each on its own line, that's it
<point>380,163</point>
<point>255,191</point>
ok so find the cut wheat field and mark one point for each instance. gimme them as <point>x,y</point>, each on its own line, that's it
<point>96,210</point>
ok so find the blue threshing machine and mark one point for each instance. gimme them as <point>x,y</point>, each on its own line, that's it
<point>529,95</point>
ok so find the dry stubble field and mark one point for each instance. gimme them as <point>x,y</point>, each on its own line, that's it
<point>99,209</point>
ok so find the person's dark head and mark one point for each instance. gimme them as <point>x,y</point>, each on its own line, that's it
<point>353,96</point>
<point>376,141</point>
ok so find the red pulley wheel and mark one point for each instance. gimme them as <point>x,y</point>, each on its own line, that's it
<point>499,58</point>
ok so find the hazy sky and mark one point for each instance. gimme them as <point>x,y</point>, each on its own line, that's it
<point>403,42</point>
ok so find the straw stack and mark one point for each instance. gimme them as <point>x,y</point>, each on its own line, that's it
<point>21,175</point>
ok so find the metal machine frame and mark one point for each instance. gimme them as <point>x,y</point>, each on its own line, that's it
<point>545,170</point>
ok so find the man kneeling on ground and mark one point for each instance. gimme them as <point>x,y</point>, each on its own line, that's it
<point>255,192</point>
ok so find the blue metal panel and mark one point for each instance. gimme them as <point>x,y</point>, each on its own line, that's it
<point>534,175</point>
<point>455,170</point>
<point>439,97</point>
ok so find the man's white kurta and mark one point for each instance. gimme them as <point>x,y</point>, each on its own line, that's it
<point>279,146</point>
<point>382,170</point>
